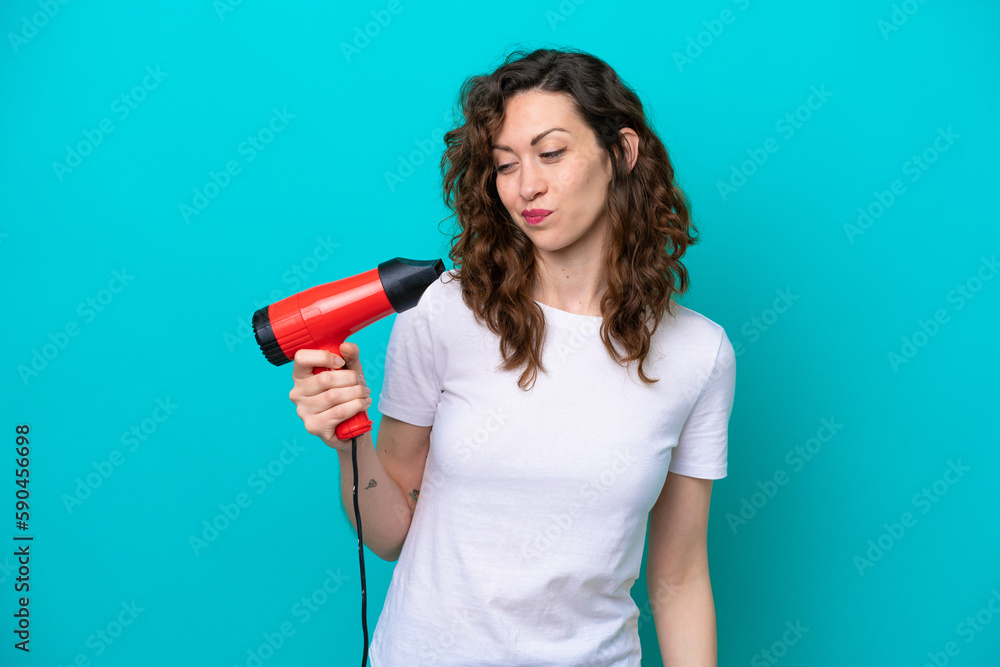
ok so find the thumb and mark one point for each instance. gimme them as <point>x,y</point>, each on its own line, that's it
<point>351,355</point>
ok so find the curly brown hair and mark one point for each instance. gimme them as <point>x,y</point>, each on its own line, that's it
<point>650,226</point>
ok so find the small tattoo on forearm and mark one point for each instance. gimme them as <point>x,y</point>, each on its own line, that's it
<point>371,484</point>
<point>414,493</point>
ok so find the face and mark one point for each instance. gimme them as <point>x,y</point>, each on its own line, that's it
<point>548,158</point>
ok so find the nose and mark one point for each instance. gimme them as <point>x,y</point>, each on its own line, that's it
<point>532,180</point>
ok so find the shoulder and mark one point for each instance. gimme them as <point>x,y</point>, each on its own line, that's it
<point>689,323</point>
<point>449,282</point>
<point>444,290</point>
<point>438,300</point>
<point>701,336</point>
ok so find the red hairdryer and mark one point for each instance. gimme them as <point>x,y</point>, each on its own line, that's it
<point>322,317</point>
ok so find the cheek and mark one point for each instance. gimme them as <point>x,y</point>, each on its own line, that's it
<point>582,176</point>
<point>505,191</point>
<point>596,183</point>
<point>596,174</point>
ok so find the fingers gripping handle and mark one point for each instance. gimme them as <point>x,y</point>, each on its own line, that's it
<point>354,426</point>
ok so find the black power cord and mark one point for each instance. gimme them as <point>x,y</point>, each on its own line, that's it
<point>361,549</point>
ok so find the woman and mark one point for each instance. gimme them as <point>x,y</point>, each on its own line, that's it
<point>573,403</point>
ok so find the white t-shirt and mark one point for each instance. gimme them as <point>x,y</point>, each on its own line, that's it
<point>531,519</point>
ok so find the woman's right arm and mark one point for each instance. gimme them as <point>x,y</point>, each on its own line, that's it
<point>396,469</point>
<point>388,479</point>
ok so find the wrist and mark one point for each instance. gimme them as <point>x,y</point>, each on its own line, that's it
<point>343,447</point>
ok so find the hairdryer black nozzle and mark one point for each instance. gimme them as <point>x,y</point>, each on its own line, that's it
<point>404,280</point>
<point>265,338</point>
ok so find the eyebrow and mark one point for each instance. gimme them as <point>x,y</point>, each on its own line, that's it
<point>533,141</point>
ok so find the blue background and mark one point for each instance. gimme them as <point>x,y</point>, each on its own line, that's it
<point>317,203</point>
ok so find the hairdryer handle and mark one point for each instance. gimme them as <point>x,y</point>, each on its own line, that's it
<point>353,427</point>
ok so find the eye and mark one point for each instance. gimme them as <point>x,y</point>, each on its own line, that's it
<point>502,169</point>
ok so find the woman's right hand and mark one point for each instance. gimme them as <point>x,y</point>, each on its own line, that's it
<point>328,398</point>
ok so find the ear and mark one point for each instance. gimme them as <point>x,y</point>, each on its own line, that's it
<point>632,144</point>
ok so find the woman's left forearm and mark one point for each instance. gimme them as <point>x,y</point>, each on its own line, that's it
<point>684,615</point>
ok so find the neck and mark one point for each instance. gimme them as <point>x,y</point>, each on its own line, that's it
<point>573,284</point>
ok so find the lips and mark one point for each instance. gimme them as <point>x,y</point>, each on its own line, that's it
<point>535,215</point>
